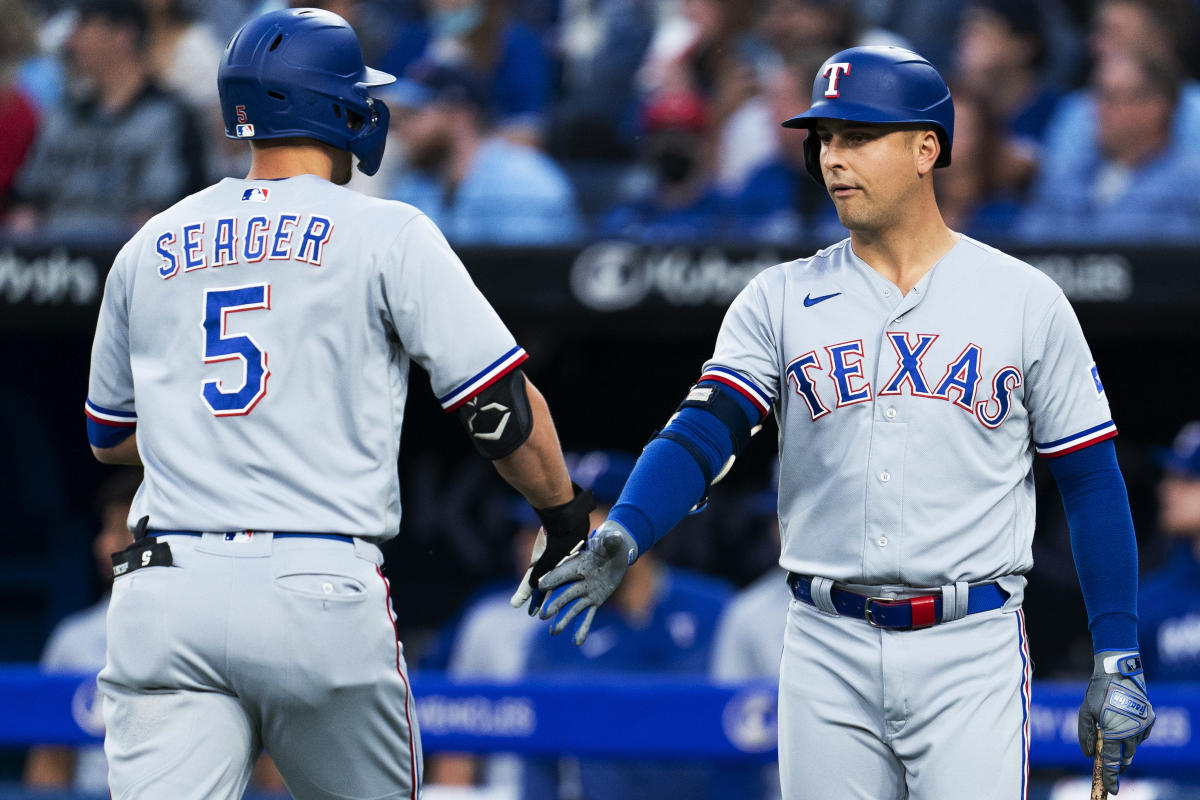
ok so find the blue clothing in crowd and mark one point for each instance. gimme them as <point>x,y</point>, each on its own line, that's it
<point>644,220</point>
<point>1095,201</point>
<point>512,194</point>
<point>1169,618</point>
<point>1070,135</point>
<point>519,83</point>
<point>1030,121</point>
<point>676,639</point>
<point>780,204</point>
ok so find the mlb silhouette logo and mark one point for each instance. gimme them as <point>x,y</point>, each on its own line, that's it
<point>255,194</point>
<point>244,131</point>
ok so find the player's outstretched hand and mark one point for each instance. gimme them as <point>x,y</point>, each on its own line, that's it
<point>564,528</point>
<point>1116,701</point>
<point>587,577</point>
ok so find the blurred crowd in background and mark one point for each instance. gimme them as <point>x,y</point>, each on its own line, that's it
<point>559,121</point>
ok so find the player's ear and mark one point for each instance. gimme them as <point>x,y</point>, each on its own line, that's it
<point>926,148</point>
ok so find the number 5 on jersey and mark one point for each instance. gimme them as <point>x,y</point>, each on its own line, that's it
<point>219,345</point>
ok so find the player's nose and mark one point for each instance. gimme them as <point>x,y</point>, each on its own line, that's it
<point>832,155</point>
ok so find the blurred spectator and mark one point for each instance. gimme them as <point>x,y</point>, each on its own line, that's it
<point>504,55</point>
<point>18,120</point>
<point>79,644</point>
<point>711,49</point>
<point>681,203</point>
<point>601,43</point>
<point>1169,598</point>
<point>491,642</point>
<point>183,54</point>
<point>125,149</point>
<point>1152,28</point>
<point>1001,52</point>
<point>930,27</point>
<point>971,194</point>
<point>780,202</point>
<point>659,621</point>
<point>1161,27</point>
<point>475,185</point>
<point>749,640</point>
<point>1140,182</point>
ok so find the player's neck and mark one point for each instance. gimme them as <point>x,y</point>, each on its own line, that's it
<point>287,161</point>
<point>905,253</point>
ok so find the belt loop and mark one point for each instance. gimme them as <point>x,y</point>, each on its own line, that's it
<point>822,598</point>
<point>954,601</point>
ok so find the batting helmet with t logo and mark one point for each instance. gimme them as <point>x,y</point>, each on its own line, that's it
<point>881,85</point>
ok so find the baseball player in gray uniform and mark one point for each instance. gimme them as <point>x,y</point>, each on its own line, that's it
<point>914,374</point>
<point>252,352</point>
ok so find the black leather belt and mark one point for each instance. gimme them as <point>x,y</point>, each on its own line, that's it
<point>907,613</point>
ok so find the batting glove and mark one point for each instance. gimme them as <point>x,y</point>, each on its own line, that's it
<point>563,528</point>
<point>587,577</point>
<point>1116,702</point>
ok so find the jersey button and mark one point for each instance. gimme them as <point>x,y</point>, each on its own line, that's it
<point>882,541</point>
<point>890,413</point>
<point>885,476</point>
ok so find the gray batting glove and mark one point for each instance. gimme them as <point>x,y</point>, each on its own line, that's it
<point>1116,701</point>
<point>587,577</point>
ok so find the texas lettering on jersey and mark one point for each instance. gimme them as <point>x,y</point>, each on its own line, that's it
<point>959,381</point>
<point>281,237</point>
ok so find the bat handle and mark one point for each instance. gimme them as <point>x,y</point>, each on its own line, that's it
<point>1098,790</point>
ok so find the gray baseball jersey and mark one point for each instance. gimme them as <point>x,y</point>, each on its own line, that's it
<point>908,424</point>
<point>259,334</point>
<point>907,428</point>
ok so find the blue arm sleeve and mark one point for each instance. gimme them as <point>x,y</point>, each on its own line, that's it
<point>669,478</point>
<point>1102,541</point>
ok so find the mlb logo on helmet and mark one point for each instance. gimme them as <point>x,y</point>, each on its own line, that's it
<point>245,130</point>
<point>255,194</point>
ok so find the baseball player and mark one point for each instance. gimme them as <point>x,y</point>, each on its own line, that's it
<point>914,374</point>
<point>252,352</point>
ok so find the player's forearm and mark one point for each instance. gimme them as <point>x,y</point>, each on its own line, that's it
<point>536,469</point>
<point>1102,541</point>
<point>124,452</point>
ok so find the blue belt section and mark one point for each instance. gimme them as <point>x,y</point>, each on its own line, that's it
<point>894,613</point>
<point>337,537</point>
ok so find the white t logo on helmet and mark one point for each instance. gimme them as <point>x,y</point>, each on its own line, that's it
<point>833,72</point>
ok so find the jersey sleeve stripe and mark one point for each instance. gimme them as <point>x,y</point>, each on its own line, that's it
<point>736,380</point>
<point>1070,444</point>
<point>483,379</point>
<point>108,416</point>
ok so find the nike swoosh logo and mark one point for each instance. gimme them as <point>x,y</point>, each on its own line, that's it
<point>809,300</point>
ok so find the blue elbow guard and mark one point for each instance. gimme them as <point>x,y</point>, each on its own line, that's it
<point>714,425</point>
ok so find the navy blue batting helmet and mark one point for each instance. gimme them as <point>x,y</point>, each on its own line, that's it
<point>877,84</point>
<point>300,72</point>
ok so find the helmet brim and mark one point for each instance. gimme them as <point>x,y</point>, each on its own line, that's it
<point>853,112</point>
<point>376,77</point>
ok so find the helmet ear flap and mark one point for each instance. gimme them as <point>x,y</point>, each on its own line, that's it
<point>812,157</point>
<point>370,138</point>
